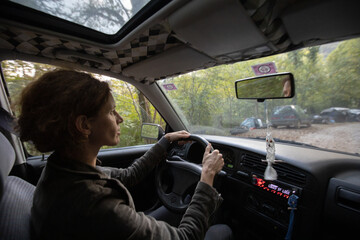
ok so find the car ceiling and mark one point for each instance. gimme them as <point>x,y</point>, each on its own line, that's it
<point>181,36</point>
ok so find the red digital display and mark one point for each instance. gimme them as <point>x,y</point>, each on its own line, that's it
<point>280,191</point>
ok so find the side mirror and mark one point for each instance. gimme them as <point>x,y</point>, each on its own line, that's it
<point>274,86</point>
<point>151,131</point>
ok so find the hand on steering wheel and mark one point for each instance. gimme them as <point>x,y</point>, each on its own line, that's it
<point>212,164</point>
<point>175,136</point>
<point>176,180</point>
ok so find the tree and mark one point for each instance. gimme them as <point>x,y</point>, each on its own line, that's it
<point>343,67</point>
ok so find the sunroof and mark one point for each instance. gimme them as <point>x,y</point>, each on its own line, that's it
<point>106,16</point>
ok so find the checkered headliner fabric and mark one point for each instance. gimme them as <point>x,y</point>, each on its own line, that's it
<point>151,42</point>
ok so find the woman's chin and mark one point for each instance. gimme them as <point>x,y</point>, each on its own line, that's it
<point>114,143</point>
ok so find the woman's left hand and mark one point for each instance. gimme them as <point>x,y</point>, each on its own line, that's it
<point>174,136</point>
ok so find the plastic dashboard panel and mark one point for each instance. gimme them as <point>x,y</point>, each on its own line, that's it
<point>318,174</point>
<point>262,203</point>
<point>343,203</point>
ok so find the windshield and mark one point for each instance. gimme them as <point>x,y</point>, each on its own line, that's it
<point>324,112</point>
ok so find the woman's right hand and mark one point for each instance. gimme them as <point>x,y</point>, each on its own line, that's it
<point>212,164</point>
<point>174,136</point>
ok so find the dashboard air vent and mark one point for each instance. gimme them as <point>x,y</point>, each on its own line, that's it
<point>285,172</point>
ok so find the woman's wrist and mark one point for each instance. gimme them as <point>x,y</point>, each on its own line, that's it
<point>209,181</point>
<point>164,143</point>
<point>167,137</point>
<point>207,177</point>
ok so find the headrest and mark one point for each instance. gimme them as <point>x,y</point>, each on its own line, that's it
<point>7,159</point>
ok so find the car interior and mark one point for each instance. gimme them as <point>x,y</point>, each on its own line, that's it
<point>162,40</point>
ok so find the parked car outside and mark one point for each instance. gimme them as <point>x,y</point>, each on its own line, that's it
<point>354,115</point>
<point>335,114</point>
<point>252,123</point>
<point>290,116</point>
<point>248,124</point>
<point>321,119</point>
<point>238,130</point>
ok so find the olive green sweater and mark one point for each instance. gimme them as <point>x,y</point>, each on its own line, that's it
<point>77,201</point>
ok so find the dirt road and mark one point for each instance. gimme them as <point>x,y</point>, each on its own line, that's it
<point>338,136</point>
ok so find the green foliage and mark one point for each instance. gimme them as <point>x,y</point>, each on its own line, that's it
<point>20,73</point>
<point>343,67</point>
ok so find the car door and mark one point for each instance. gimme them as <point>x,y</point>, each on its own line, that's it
<point>131,105</point>
<point>304,117</point>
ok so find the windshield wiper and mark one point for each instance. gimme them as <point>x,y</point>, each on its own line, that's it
<point>305,145</point>
<point>288,141</point>
<point>296,143</point>
<point>312,146</point>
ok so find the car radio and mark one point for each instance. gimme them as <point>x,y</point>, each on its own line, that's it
<point>275,187</point>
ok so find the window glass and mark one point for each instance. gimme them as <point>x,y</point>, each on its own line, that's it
<point>106,16</point>
<point>325,111</point>
<point>131,104</point>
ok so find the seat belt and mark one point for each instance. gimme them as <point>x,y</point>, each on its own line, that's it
<point>6,121</point>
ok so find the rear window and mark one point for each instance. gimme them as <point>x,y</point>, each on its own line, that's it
<point>284,110</point>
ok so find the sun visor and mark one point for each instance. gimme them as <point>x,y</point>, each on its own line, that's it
<point>327,20</point>
<point>176,60</point>
<point>216,28</point>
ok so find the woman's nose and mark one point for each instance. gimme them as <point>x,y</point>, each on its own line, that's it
<point>119,119</point>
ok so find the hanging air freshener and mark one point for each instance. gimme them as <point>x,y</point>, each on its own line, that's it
<point>270,172</point>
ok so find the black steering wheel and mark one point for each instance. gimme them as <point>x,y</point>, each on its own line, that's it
<point>177,180</point>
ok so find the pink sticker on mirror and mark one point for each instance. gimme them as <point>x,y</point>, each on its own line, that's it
<point>169,86</point>
<point>264,68</point>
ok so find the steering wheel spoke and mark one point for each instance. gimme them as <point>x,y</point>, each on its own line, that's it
<point>177,180</point>
<point>175,200</point>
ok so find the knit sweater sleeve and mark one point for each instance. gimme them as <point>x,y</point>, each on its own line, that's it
<point>141,167</point>
<point>118,219</point>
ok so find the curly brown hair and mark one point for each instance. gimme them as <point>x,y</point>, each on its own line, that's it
<point>50,105</point>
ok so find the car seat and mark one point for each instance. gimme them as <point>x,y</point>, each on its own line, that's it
<point>16,196</point>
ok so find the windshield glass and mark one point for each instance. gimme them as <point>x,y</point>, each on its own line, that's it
<point>106,16</point>
<point>324,112</point>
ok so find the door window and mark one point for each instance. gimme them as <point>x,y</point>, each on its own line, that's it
<point>131,104</point>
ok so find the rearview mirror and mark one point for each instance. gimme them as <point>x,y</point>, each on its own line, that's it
<point>151,131</point>
<point>274,86</point>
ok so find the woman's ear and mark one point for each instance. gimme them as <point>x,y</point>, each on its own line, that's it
<point>83,125</point>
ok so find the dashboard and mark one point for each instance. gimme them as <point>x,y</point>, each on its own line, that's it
<point>326,183</point>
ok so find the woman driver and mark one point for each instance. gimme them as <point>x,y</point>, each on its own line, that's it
<point>73,114</point>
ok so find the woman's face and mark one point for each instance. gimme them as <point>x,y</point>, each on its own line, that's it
<point>287,89</point>
<point>105,129</point>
